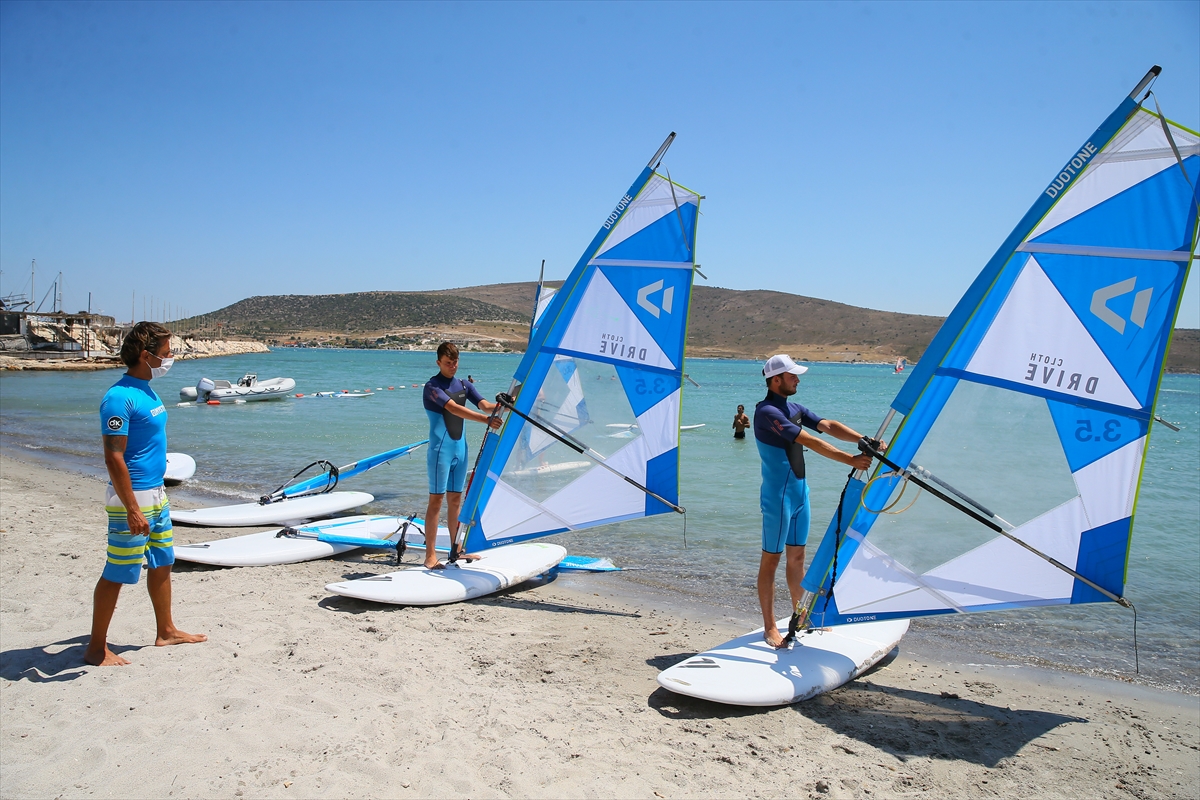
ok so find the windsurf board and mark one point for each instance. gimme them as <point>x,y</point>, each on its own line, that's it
<point>417,586</point>
<point>283,512</point>
<point>749,672</point>
<point>268,548</point>
<point>180,467</point>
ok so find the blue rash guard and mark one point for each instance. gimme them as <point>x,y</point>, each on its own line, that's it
<point>783,498</point>
<point>132,409</point>
<point>446,458</point>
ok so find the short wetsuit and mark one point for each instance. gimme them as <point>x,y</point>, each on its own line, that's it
<point>132,409</point>
<point>446,459</point>
<point>783,498</point>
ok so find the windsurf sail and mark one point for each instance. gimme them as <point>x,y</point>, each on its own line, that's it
<point>541,299</point>
<point>1059,343</point>
<point>330,477</point>
<point>607,349</point>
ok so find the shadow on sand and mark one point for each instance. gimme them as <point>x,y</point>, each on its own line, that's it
<point>50,664</point>
<point>906,723</point>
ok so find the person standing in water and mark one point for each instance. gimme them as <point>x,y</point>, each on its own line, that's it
<point>784,494</point>
<point>740,423</point>
<point>133,423</point>
<point>445,399</point>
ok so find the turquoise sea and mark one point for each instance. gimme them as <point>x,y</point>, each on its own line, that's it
<point>243,451</point>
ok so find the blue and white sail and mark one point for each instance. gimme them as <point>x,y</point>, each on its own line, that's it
<point>1060,344</point>
<point>607,350</point>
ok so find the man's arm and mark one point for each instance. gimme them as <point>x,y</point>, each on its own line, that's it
<point>118,473</point>
<point>466,413</point>
<point>824,448</point>
<point>839,430</point>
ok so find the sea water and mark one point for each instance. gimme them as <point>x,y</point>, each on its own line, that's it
<point>710,556</point>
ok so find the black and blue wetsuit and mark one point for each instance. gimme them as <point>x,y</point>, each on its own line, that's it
<point>447,455</point>
<point>784,494</point>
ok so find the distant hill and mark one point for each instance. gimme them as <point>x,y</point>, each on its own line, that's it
<point>362,312</point>
<point>725,323</point>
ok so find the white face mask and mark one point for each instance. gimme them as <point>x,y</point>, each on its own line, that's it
<point>163,367</point>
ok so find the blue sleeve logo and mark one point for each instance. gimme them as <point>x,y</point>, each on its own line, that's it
<point>115,423</point>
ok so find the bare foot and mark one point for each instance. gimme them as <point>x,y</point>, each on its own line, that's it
<point>774,638</point>
<point>469,556</point>
<point>106,659</point>
<point>435,565</point>
<point>179,637</point>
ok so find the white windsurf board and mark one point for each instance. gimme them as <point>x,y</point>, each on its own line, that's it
<point>496,569</point>
<point>749,672</point>
<point>180,467</point>
<point>283,512</point>
<point>269,549</point>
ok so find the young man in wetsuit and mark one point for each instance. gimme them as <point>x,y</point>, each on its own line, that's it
<point>784,494</point>
<point>445,399</point>
<point>133,422</point>
<point>740,423</point>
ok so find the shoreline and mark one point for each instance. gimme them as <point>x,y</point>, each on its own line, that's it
<point>926,640</point>
<point>545,690</point>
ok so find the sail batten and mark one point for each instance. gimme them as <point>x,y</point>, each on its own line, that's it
<point>1059,343</point>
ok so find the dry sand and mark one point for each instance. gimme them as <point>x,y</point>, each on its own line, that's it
<point>543,691</point>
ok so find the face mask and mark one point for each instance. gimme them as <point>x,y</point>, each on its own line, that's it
<point>164,366</point>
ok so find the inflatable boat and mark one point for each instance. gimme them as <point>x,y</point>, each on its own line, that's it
<point>249,387</point>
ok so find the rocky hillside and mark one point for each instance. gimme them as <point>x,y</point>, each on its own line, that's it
<point>725,323</point>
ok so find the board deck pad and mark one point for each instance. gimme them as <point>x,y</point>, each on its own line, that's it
<point>748,672</point>
<point>284,512</point>
<point>266,549</point>
<point>497,569</point>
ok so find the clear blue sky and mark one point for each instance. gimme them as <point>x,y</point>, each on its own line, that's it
<point>869,153</point>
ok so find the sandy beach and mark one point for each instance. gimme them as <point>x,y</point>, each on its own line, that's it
<point>544,691</point>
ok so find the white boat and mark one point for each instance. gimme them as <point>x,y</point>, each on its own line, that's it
<point>248,387</point>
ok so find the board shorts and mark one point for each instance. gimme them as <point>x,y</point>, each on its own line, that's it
<point>127,551</point>
<point>783,500</point>
<point>739,434</point>
<point>446,461</point>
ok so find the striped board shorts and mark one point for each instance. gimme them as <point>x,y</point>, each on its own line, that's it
<point>126,551</point>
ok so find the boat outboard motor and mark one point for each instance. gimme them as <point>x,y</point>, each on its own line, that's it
<point>203,387</point>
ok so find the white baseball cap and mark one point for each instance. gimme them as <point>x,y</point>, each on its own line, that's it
<point>777,365</point>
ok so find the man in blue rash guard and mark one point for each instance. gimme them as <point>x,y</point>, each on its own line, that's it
<point>784,495</point>
<point>133,422</point>
<point>445,398</point>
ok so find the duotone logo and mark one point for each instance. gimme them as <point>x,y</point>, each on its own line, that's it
<point>668,297</point>
<point>1141,304</point>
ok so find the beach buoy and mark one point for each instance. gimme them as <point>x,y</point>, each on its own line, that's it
<point>214,402</point>
<point>299,395</point>
<point>390,388</point>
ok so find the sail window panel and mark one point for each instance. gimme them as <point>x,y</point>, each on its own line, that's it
<point>1002,573</point>
<point>1018,484</point>
<point>583,399</point>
